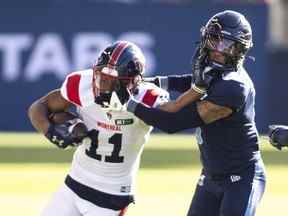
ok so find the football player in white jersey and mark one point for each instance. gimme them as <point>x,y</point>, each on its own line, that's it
<point>101,181</point>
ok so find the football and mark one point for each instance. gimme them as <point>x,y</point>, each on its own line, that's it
<point>75,125</point>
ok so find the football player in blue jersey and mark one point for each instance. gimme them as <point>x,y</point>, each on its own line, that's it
<point>232,180</point>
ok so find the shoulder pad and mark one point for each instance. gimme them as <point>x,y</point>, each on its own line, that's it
<point>77,88</point>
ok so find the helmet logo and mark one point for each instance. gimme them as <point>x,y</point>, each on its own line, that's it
<point>138,66</point>
<point>214,27</point>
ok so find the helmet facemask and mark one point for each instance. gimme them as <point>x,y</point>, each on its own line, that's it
<point>117,73</point>
<point>110,89</point>
<point>222,51</point>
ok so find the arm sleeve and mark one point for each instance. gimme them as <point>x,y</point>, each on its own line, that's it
<point>169,122</point>
<point>228,93</point>
<point>180,83</point>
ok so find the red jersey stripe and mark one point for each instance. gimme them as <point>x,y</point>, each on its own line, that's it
<point>150,97</point>
<point>117,52</point>
<point>72,88</point>
<point>123,211</point>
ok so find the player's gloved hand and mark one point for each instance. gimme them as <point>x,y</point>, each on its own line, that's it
<point>160,81</point>
<point>63,135</point>
<point>201,73</point>
<point>278,136</point>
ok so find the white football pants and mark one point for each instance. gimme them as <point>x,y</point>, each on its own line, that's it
<point>65,202</point>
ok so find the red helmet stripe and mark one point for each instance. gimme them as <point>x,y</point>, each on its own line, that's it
<point>118,50</point>
<point>150,97</point>
<point>72,88</point>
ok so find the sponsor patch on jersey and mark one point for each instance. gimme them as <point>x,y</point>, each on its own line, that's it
<point>125,189</point>
<point>124,121</point>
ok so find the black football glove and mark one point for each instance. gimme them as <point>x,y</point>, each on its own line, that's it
<point>202,74</point>
<point>63,135</point>
<point>154,80</point>
<point>278,136</point>
<point>160,81</point>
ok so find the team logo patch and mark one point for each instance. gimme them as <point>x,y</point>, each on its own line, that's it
<point>124,121</point>
<point>109,115</point>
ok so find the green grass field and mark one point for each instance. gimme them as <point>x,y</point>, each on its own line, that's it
<point>31,169</point>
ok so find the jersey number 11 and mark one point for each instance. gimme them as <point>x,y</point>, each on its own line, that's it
<point>116,141</point>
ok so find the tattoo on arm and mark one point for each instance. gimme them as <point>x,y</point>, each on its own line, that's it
<point>210,112</point>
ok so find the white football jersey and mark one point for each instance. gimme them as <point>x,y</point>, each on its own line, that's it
<point>110,163</point>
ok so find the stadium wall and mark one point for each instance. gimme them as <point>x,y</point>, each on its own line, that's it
<point>41,43</point>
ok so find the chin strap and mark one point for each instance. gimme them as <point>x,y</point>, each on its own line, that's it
<point>112,104</point>
<point>115,103</point>
<point>103,99</point>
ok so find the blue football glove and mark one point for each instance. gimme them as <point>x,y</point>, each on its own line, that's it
<point>202,74</point>
<point>132,102</point>
<point>278,136</point>
<point>63,135</point>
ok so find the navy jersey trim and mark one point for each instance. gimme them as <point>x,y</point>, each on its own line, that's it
<point>98,198</point>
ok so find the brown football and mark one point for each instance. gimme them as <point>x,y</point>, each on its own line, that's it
<point>61,117</point>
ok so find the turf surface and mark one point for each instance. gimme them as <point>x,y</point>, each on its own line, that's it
<point>31,169</point>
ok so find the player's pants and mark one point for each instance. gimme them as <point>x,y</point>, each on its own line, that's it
<point>235,195</point>
<point>66,202</point>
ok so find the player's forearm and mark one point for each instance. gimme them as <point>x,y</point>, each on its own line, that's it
<point>180,83</point>
<point>169,122</point>
<point>40,110</point>
<point>39,116</point>
<point>183,100</point>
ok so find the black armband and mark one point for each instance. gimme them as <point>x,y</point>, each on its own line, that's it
<point>170,122</point>
<point>180,83</point>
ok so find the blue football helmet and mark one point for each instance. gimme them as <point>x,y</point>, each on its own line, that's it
<point>228,33</point>
<point>119,69</point>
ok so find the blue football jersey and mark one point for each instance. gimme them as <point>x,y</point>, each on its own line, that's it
<point>230,144</point>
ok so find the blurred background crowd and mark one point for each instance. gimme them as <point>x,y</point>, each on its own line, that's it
<point>42,41</point>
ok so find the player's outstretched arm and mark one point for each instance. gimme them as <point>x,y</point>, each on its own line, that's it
<point>169,122</point>
<point>187,97</point>
<point>40,110</point>
<point>191,116</point>
<point>202,77</point>
<point>179,83</point>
